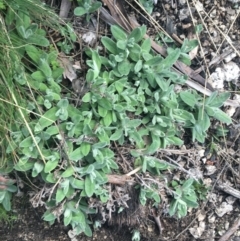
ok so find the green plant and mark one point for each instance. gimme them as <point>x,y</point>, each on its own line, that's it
<point>66,45</point>
<point>87,7</point>
<point>7,217</point>
<point>186,194</point>
<point>6,194</point>
<point>131,100</point>
<point>147,5</point>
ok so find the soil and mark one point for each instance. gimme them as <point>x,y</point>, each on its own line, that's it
<point>217,214</point>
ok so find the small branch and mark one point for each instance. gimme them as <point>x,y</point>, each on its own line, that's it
<point>122,179</point>
<point>157,220</point>
<point>228,189</point>
<point>231,231</point>
<point>134,171</point>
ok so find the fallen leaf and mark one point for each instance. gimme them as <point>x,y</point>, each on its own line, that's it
<point>66,64</point>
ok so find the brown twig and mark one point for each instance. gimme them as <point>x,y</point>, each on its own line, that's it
<point>157,220</point>
<point>122,179</point>
<point>231,231</point>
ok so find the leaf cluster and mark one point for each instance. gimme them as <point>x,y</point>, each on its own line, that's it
<point>131,100</point>
<point>87,7</point>
<point>186,195</point>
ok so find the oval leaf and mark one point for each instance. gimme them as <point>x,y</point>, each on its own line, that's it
<point>89,186</point>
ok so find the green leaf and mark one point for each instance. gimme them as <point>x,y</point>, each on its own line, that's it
<point>50,177</point>
<point>187,184</point>
<point>156,60</point>
<point>46,120</point>
<point>87,97</point>
<point>173,140</point>
<point>217,99</point>
<point>138,66</point>
<point>89,186</point>
<point>33,53</point>
<point>188,45</point>
<point>6,201</point>
<point>133,123</point>
<point>48,216</point>
<point>218,114</point>
<point>79,11</point>
<point>68,172</point>
<point>52,130</point>
<point>124,67</point>
<point>185,59</point>
<point>118,33</point>
<point>90,76</point>
<point>26,142</point>
<point>94,7</point>
<point>155,145</point>
<point>146,45</point>
<point>88,231</point>
<point>75,183</point>
<point>188,98</point>
<point>76,155</point>
<point>105,103</point>
<point>203,119</point>
<point>189,202</point>
<point>63,103</point>
<point>144,165</point>
<point>96,63</point>
<point>116,135</point>
<point>102,111</point>
<point>37,168</point>
<point>23,167</point>
<point>11,188</point>
<point>135,52</point>
<point>50,165</point>
<point>107,120</point>
<point>162,83</point>
<point>183,116</point>
<point>120,84</point>
<point>110,45</point>
<point>170,60</point>
<point>38,40</point>
<point>137,33</point>
<point>67,217</point>
<point>10,16</point>
<point>173,207</point>
<point>85,148</point>
<point>60,195</point>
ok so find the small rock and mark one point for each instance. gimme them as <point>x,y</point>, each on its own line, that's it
<point>197,231</point>
<point>226,225</point>
<point>182,2</point>
<point>212,219</point>
<point>199,6</point>
<point>217,78</point>
<point>201,152</point>
<point>230,111</point>
<point>183,14</point>
<point>223,209</point>
<point>221,232</point>
<point>210,170</point>
<point>89,38</point>
<point>232,71</point>
<point>233,1</point>
<point>213,13</point>
<point>201,216</point>
<point>231,199</point>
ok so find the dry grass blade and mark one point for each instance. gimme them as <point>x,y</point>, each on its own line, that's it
<point>118,13</point>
